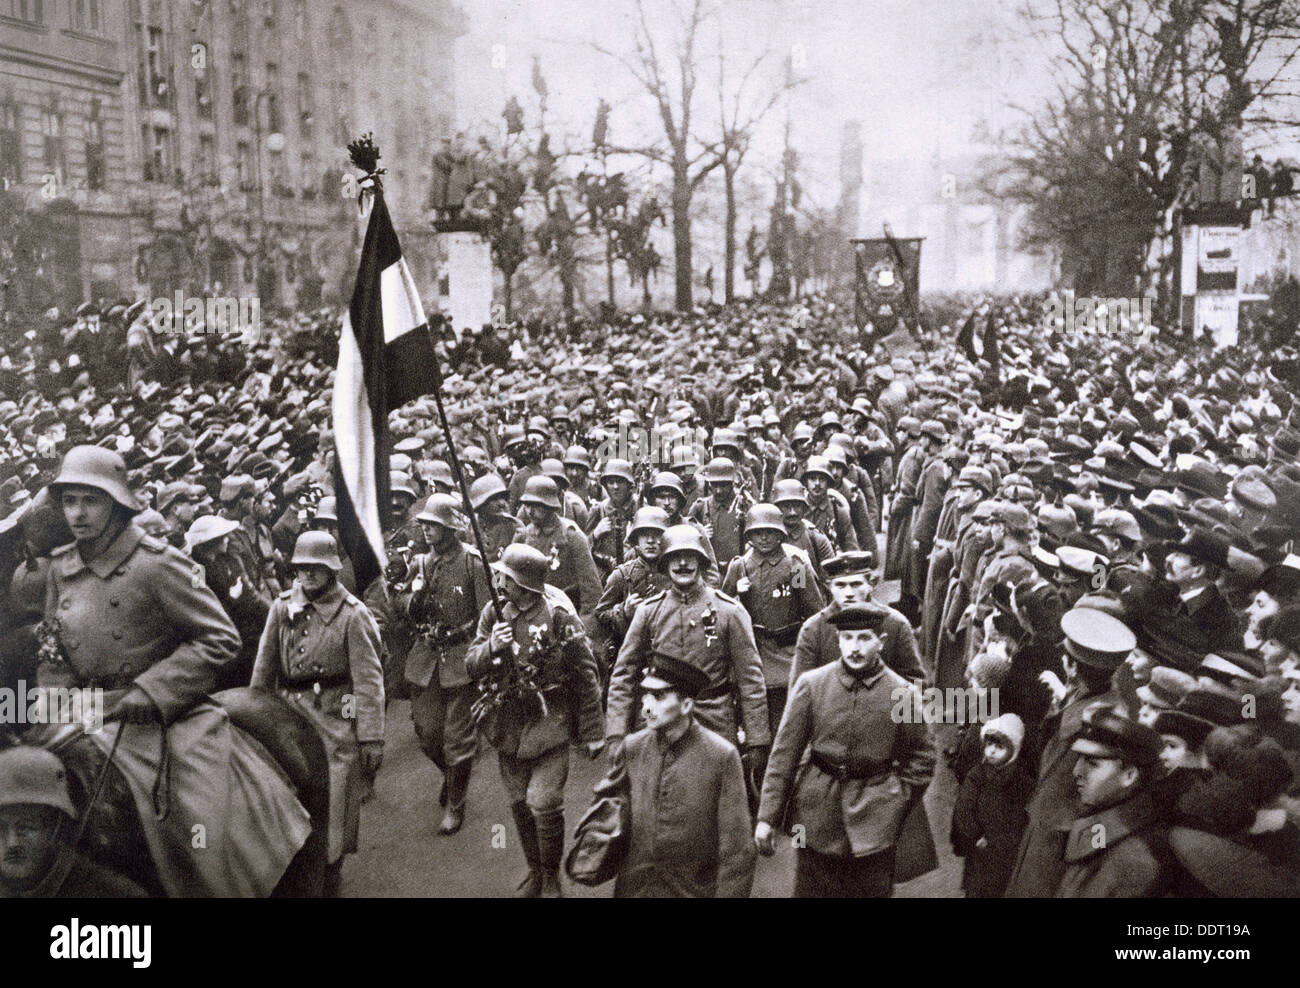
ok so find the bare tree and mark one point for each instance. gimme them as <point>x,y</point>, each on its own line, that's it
<point>667,72</point>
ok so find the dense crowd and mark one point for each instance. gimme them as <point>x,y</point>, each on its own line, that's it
<point>691,521</point>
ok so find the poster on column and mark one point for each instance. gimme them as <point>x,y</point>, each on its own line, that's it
<point>469,280</point>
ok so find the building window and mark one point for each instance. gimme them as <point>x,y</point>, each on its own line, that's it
<point>305,108</point>
<point>157,163</point>
<point>11,144</point>
<point>85,15</point>
<point>274,121</point>
<point>53,153</point>
<point>27,10</point>
<point>239,80</point>
<point>244,166</point>
<point>95,171</point>
<point>154,88</point>
<point>278,176</point>
<point>300,20</point>
<point>308,173</point>
<point>206,163</point>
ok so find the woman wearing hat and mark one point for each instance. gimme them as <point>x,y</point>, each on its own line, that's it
<point>131,616</point>
<point>320,651</point>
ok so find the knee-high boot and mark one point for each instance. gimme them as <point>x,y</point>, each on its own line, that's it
<point>531,886</point>
<point>457,787</point>
<point>550,845</point>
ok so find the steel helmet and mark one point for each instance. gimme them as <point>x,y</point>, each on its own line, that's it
<point>441,509</point>
<point>910,424</point>
<point>577,456</point>
<point>553,468</point>
<point>542,490</point>
<point>327,509</point>
<point>485,488</point>
<point>648,519</point>
<point>475,454</point>
<point>560,414</point>
<point>539,425</point>
<point>685,457</point>
<point>401,483</point>
<point>97,467</point>
<point>934,429</point>
<point>725,439</point>
<point>440,473</point>
<point>770,417</point>
<point>753,422</point>
<point>818,464</point>
<point>667,481</point>
<point>829,418</point>
<point>316,549</point>
<point>789,490</point>
<point>836,455</point>
<point>208,529</point>
<point>525,565</point>
<point>720,470</point>
<point>684,538</point>
<point>33,776</point>
<point>803,433</point>
<point>617,468</point>
<point>764,516</point>
<point>514,436</point>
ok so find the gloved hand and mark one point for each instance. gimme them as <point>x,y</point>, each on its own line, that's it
<point>372,756</point>
<point>758,765</point>
<point>134,707</point>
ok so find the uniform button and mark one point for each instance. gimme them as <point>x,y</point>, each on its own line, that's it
<point>114,602</point>
<point>117,635</point>
<point>65,603</point>
<point>120,571</point>
<point>302,648</point>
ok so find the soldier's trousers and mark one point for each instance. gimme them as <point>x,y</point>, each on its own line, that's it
<point>443,724</point>
<point>829,876</point>
<point>539,781</point>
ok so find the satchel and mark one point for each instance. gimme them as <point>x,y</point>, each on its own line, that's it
<point>604,834</point>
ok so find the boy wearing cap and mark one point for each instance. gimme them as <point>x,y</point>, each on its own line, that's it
<point>866,769</point>
<point>690,816</point>
<point>1115,849</point>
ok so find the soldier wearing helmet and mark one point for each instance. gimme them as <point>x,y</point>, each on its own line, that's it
<point>729,444</point>
<point>136,620</point>
<point>490,499</point>
<point>844,480</point>
<point>777,585</point>
<point>577,467</point>
<point>532,737</point>
<point>721,515</point>
<point>904,497</point>
<point>801,445</point>
<point>705,627</point>
<point>633,581</point>
<point>575,509</point>
<point>320,651</point>
<point>561,541</point>
<point>447,593</point>
<point>790,497</point>
<point>525,453</point>
<point>37,820</point>
<point>1010,562</point>
<point>936,475</point>
<point>607,526</point>
<point>828,510</point>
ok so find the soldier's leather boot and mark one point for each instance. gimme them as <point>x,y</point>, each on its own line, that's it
<point>531,886</point>
<point>550,846</point>
<point>333,884</point>
<point>457,787</point>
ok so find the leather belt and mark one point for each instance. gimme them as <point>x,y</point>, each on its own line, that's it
<point>782,637</point>
<point>325,682</point>
<point>713,692</point>
<point>842,772</point>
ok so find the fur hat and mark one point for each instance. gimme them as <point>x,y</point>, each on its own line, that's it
<point>1009,728</point>
<point>990,669</point>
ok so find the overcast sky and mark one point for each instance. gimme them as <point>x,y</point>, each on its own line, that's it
<point>917,73</point>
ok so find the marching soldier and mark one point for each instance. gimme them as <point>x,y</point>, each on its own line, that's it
<point>577,467</point>
<point>902,502</point>
<point>866,770</point>
<point>693,622</point>
<point>722,513</point>
<point>559,539</point>
<point>541,692</point>
<point>777,586</point>
<point>447,593</point>
<point>827,509</point>
<point>320,651</point>
<point>610,515</point>
<point>1010,563</point>
<point>792,499</point>
<point>574,507</point>
<point>666,492</point>
<point>850,579</point>
<point>490,500</point>
<point>635,580</point>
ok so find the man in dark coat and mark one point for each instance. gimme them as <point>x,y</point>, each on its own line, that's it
<point>690,815</point>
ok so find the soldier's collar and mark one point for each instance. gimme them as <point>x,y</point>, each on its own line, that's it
<point>327,605</point>
<point>102,566</point>
<point>1115,823</point>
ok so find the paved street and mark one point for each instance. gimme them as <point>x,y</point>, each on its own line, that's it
<point>402,853</point>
